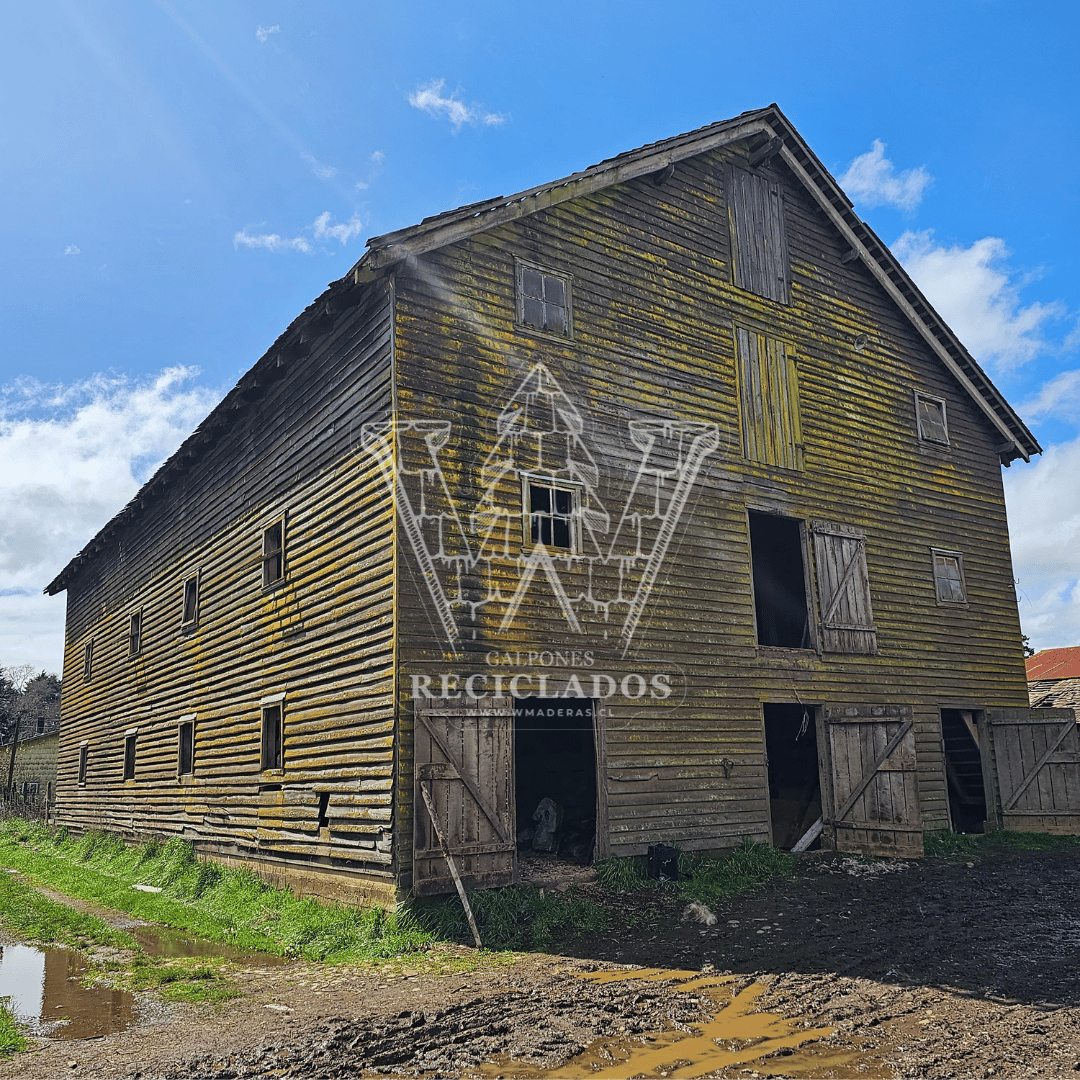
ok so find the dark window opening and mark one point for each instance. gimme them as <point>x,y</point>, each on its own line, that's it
<point>551,515</point>
<point>555,769</point>
<point>544,301</point>
<point>135,633</point>
<point>88,659</point>
<point>129,757</point>
<point>324,806</point>
<point>84,754</point>
<point>963,770</point>
<point>41,726</point>
<point>186,754</point>
<point>794,777</point>
<point>273,556</point>
<point>776,549</point>
<point>271,737</point>
<point>191,599</point>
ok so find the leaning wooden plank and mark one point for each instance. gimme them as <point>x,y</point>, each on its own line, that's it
<point>450,863</point>
<point>809,836</point>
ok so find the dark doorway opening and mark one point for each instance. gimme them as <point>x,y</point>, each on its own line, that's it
<point>794,778</point>
<point>963,770</point>
<point>555,760</point>
<point>776,550</point>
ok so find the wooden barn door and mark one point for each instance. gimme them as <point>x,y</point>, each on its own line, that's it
<point>875,795</point>
<point>1037,761</point>
<point>464,757</point>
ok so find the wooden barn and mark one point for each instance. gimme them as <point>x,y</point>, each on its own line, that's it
<point>659,492</point>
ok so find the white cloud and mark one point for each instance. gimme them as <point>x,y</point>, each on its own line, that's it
<point>978,298</point>
<point>271,242</point>
<point>1060,398</point>
<point>341,233</point>
<point>378,156</point>
<point>263,32</point>
<point>71,456</point>
<point>872,179</point>
<point>71,249</point>
<point>429,97</point>
<point>1043,498</point>
<point>323,172</point>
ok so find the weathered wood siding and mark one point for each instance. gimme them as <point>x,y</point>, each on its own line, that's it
<point>323,636</point>
<point>655,313</point>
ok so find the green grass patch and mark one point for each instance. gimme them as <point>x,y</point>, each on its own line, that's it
<point>29,916</point>
<point>12,1039</point>
<point>749,867</point>
<point>949,844</point>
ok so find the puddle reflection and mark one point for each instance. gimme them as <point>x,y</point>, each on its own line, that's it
<point>46,992</point>
<point>166,942</point>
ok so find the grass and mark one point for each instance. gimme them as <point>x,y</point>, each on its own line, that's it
<point>948,844</point>
<point>12,1039</point>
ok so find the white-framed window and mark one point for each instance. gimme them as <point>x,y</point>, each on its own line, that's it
<point>544,300</point>
<point>185,745</point>
<point>931,418</point>
<point>273,553</point>
<point>272,736</point>
<point>949,576</point>
<point>552,513</point>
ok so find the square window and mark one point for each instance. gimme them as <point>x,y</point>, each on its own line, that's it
<point>135,633</point>
<point>185,758</point>
<point>84,755</point>
<point>191,600</point>
<point>552,514</point>
<point>273,553</point>
<point>129,755</point>
<point>949,577</point>
<point>88,660</point>
<point>543,300</point>
<point>931,419</point>
<point>272,749</point>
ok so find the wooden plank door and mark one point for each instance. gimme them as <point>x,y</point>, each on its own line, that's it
<point>1037,761</point>
<point>465,758</point>
<point>875,794</point>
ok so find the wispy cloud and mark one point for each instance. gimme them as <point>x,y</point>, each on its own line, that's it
<point>979,297</point>
<point>71,455</point>
<point>430,99</point>
<point>1059,397</point>
<point>872,179</point>
<point>323,172</point>
<point>377,159</point>
<point>264,32</point>
<point>320,228</point>
<point>71,249</point>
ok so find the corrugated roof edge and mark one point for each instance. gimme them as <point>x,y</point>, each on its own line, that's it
<point>458,224</point>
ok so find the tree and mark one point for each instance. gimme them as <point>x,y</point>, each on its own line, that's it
<point>9,701</point>
<point>38,705</point>
<point>1028,650</point>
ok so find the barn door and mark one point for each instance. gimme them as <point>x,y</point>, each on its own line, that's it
<point>847,619</point>
<point>465,758</point>
<point>1037,760</point>
<point>875,797</point>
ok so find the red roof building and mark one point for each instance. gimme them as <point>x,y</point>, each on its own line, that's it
<point>1054,664</point>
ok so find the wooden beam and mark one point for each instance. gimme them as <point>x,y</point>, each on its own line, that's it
<point>764,154</point>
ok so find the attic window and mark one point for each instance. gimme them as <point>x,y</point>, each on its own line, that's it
<point>759,254</point>
<point>191,601</point>
<point>551,514</point>
<point>949,576</point>
<point>273,553</point>
<point>931,419</point>
<point>543,300</point>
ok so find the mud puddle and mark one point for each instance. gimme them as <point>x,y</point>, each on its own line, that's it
<point>166,942</point>
<point>46,992</point>
<point>735,1035</point>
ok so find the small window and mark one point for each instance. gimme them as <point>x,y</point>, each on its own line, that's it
<point>135,633</point>
<point>273,553</point>
<point>552,516</point>
<point>543,300</point>
<point>30,788</point>
<point>931,418</point>
<point>191,600</point>
<point>88,660</point>
<point>949,577</point>
<point>41,725</point>
<point>272,755</point>
<point>84,754</point>
<point>185,759</point>
<point>129,755</point>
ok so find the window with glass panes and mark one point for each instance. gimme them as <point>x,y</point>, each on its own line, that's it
<point>544,300</point>
<point>551,514</point>
<point>949,577</point>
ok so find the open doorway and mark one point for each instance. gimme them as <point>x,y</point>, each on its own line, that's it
<point>963,770</point>
<point>794,777</point>
<point>780,610</point>
<point>555,767</point>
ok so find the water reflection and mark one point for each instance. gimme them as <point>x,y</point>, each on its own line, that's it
<point>46,992</point>
<point>166,942</point>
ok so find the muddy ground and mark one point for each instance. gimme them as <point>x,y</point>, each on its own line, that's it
<point>924,969</point>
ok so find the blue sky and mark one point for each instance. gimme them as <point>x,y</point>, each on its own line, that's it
<point>181,178</point>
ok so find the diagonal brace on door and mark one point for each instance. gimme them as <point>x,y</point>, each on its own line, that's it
<point>1048,753</point>
<point>894,742</point>
<point>842,584</point>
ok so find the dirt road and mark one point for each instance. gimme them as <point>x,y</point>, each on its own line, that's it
<point>922,969</point>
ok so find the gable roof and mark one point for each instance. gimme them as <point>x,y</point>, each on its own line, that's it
<point>1054,664</point>
<point>768,131</point>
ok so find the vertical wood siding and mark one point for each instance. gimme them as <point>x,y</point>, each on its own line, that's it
<point>323,636</point>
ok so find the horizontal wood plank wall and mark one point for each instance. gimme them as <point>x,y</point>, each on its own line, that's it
<point>323,637</point>
<point>654,317</point>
